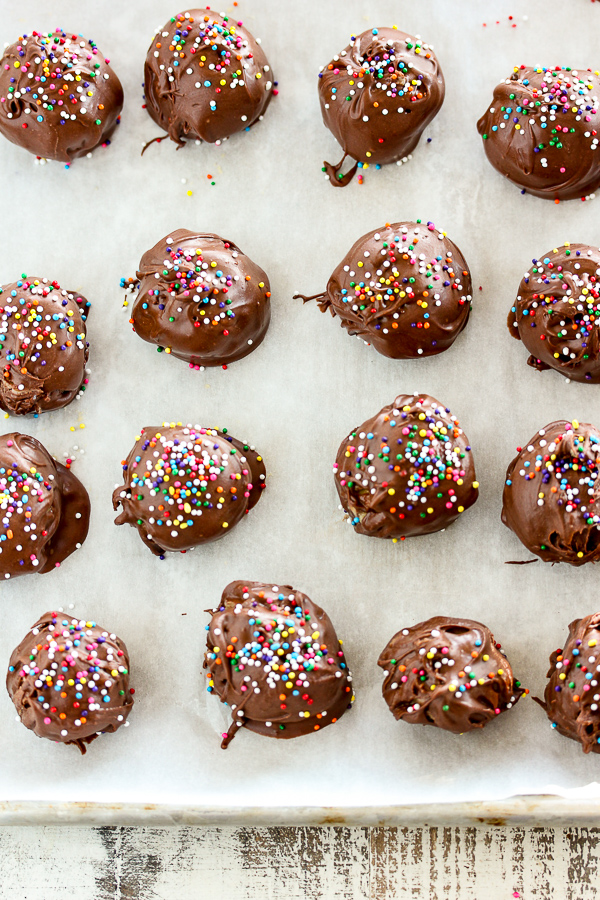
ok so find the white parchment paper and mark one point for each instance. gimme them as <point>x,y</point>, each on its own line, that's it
<point>296,398</point>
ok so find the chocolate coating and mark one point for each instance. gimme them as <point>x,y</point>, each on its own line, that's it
<point>572,693</point>
<point>378,95</point>
<point>447,672</point>
<point>201,299</point>
<point>540,131</point>
<point>206,77</point>
<point>274,658</point>
<point>75,111</point>
<point>69,680</point>
<point>407,471</point>
<point>224,479</point>
<point>43,346</point>
<point>551,494</point>
<point>404,288</point>
<point>44,508</point>
<point>556,312</point>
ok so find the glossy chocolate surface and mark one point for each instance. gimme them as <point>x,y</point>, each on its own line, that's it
<point>447,672</point>
<point>59,97</point>
<point>187,485</point>
<point>556,312</point>
<point>274,658</point>
<point>201,299</point>
<point>407,471</point>
<point>541,131</point>
<point>69,680</point>
<point>404,288</point>
<point>206,77</point>
<point>551,493</point>
<point>43,346</point>
<point>377,96</point>
<point>44,508</point>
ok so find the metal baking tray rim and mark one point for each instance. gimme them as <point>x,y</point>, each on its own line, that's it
<point>535,809</point>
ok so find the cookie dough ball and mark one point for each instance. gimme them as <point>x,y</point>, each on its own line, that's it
<point>274,658</point>
<point>43,346</point>
<point>44,508</point>
<point>69,680</point>
<point>407,471</point>
<point>404,288</point>
<point>541,131</point>
<point>206,77</point>
<point>572,695</point>
<point>550,497</point>
<point>556,312</point>
<point>377,96</point>
<point>447,672</point>
<point>201,299</point>
<point>187,485</point>
<point>59,98</point>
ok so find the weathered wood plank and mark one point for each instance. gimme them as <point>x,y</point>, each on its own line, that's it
<point>332,863</point>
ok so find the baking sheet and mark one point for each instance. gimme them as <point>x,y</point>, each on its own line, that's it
<point>296,398</point>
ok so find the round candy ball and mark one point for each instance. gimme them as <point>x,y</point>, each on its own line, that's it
<point>377,96</point>
<point>43,346</point>
<point>187,485</point>
<point>206,77</point>
<point>550,497</point>
<point>201,299</point>
<point>44,508</point>
<point>540,131</point>
<point>299,680</point>
<point>59,97</point>
<point>556,312</point>
<point>404,288</point>
<point>69,680</point>
<point>447,672</point>
<point>406,471</point>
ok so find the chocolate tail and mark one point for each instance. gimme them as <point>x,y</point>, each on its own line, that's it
<point>306,299</point>
<point>540,703</point>
<point>519,562</point>
<point>340,180</point>
<point>155,140</point>
<point>229,736</point>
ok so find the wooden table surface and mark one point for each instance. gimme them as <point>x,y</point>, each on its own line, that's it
<point>334,863</point>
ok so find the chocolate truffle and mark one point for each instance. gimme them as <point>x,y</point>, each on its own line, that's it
<point>187,485</point>
<point>407,471</point>
<point>206,77</point>
<point>541,131</point>
<point>274,658</point>
<point>550,497</point>
<point>44,508</point>
<point>75,109</point>
<point>43,346</point>
<point>447,672</point>
<point>69,680</point>
<point>404,288</point>
<point>556,312</point>
<point>572,693</point>
<point>377,96</point>
<point>201,299</point>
